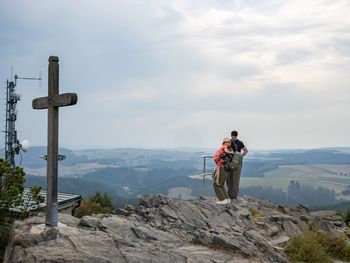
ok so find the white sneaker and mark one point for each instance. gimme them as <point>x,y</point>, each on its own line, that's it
<point>228,200</point>
<point>223,202</point>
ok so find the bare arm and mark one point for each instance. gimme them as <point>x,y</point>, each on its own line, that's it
<point>245,151</point>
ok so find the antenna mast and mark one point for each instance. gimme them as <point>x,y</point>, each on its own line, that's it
<point>12,144</point>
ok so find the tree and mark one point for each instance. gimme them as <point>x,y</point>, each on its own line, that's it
<point>11,196</point>
<point>31,201</point>
<point>11,187</point>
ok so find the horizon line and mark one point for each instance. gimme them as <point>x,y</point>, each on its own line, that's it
<point>82,147</point>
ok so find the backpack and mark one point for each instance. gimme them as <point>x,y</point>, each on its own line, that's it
<point>227,157</point>
<point>236,161</point>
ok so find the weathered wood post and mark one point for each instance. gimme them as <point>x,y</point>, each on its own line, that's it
<point>52,102</point>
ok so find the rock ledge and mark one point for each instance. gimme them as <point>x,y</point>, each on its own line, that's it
<point>166,230</point>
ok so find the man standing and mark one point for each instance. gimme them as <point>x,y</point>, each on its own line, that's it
<point>235,174</point>
<point>239,144</point>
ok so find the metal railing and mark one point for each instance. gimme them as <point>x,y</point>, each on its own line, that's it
<point>204,172</point>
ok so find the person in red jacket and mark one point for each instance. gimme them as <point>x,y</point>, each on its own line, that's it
<point>220,175</point>
<point>218,157</point>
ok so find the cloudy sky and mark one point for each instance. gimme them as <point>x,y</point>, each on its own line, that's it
<point>183,73</point>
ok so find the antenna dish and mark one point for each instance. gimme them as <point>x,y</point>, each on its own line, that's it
<point>24,145</point>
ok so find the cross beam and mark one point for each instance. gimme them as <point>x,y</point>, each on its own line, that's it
<point>52,102</point>
<point>61,100</point>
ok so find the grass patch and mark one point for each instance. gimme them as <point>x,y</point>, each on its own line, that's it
<point>316,246</point>
<point>255,213</point>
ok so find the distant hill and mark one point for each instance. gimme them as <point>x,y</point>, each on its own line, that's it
<point>127,173</point>
<point>184,157</point>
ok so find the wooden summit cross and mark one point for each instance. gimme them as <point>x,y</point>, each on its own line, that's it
<point>52,102</point>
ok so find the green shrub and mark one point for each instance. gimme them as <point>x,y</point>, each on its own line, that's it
<point>103,199</point>
<point>88,207</point>
<point>96,204</point>
<point>306,248</point>
<point>346,216</point>
<point>336,246</point>
<point>316,246</point>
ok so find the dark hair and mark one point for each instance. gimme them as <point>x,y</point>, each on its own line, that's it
<point>234,133</point>
<point>233,146</point>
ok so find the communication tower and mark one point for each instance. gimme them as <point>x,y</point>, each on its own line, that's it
<point>12,144</point>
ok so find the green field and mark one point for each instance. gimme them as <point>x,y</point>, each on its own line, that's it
<point>278,178</point>
<point>333,177</point>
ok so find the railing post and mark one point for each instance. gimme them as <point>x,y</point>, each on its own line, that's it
<point>204,174</point>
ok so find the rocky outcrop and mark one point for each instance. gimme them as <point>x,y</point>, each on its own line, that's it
<point>167,230</point>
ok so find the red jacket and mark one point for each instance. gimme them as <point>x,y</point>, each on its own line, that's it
<point>217,156</point>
